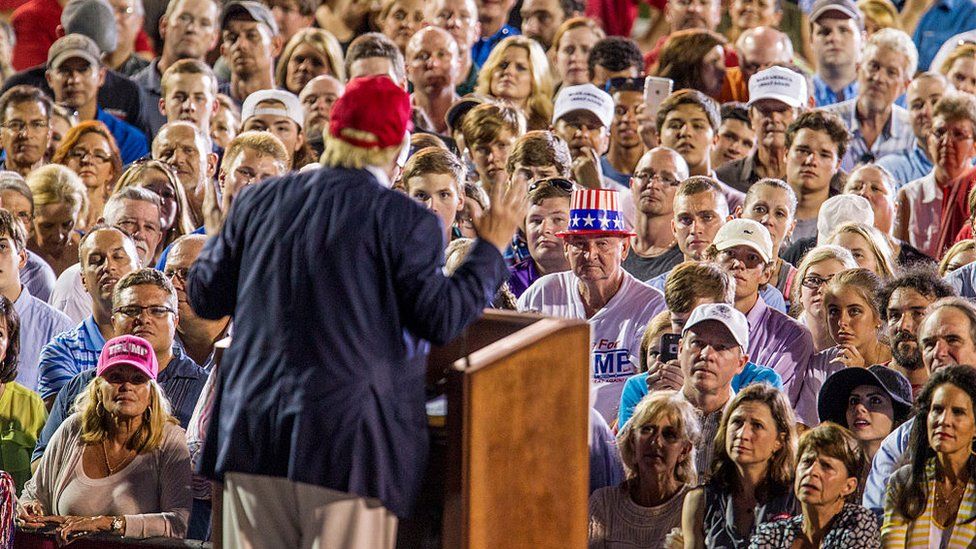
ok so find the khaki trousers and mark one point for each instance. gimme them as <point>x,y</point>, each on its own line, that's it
<point>275,513</point>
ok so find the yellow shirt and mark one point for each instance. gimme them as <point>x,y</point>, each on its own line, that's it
<point>22,415</point>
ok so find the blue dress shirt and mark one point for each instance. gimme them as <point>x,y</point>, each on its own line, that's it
<point>907,166</point>
<point>943,20</point>
<point>883,466</point>
<point>824,96</point>
<point>39,323</point>
<point>482,48</point>
<point>131,142</point>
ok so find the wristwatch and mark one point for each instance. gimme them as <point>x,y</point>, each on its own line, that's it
<point>118,525</point>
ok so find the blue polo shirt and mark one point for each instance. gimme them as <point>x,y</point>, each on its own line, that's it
<point>943,20</point>
<point>483,47</point>
<point>824,96</point>
<point>131,142</point>
<point>67,355</point>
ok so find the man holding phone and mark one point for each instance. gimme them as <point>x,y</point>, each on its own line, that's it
<point>690,284</point>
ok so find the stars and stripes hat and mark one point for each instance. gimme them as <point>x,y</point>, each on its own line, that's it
<point>595,212</point>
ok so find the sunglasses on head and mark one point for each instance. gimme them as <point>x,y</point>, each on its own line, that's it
<point>560,183</point>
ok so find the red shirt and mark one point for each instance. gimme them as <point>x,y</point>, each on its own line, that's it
<point>955,209</point>
<point>35,24</point>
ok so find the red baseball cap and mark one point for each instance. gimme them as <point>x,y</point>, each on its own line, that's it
<point>374,106</point>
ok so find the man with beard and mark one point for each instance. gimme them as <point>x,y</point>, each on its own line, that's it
<point>317,98</point>
<point>903,301</point>
<point>25,119</point>
<point>654,250</point>
<point>946,337</point>
<point>923,93</point>
<point>626,146</point>
<point>878,126</point>
<point>250,43</point>
<point>432,64</point>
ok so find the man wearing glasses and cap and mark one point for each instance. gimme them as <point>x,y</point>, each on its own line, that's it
<point>597,289</point>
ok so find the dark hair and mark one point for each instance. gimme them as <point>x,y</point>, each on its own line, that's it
<point>8,366</point>
<point>374,44</point>
<point>615,53</point>
<point>23,94</point>
<point>910,498</point>
<point>821,121</point>
<point>779,475</point>
<point>921,278</point>
<point>736,111</point>
<point>540,148</point>
<point>689,97</point>
<point>682,56</point>
<point>699,184</point>
<point>10,227</point>
<point>832,440</point>
<point>141,277</point>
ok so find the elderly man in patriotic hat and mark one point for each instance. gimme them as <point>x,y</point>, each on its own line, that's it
<point>318,427</point>
<point>597,289</point>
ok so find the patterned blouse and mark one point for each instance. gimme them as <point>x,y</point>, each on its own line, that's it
<point>853,528</point>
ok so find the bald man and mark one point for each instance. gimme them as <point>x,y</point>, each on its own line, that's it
<point>317,98</point>
<point>432,68</point>
<point>758,48</point>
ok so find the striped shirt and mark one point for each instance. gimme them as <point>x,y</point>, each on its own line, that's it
<point>896,135</point>
<point>67,355</point>
<point>39,323</point>
<point>898,531</point>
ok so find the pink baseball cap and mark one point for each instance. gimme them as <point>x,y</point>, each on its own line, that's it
<point>131,350</point>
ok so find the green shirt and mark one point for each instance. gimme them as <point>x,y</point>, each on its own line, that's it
<point>22,415</point>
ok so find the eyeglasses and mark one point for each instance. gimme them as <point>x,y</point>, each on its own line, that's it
<point>34,126</point>
<point>956,135</point>
<point>98,156</point>
<point>135,311</point>
<point>647,177</point>
<point>180,273</point>
<point>557,182</point>
<point>815,282</point>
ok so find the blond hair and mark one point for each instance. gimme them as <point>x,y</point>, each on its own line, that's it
<point>880,249</point>
<point>813,257</point>
<point>669,405</point>
<point>264,143</point>
<point>55,184</point>
<point>320,39</point>
<point>960,247</point>
<point>97,424</point>
<point>539,104</point>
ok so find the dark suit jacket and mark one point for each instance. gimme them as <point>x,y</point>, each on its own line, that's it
<point>324,273</point>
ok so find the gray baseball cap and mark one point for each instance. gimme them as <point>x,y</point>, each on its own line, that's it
<point>94,19</point>
<point>255,10</point>
<point>72,46</point>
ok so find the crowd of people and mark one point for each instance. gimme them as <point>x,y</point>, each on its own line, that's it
<point>764,210</point>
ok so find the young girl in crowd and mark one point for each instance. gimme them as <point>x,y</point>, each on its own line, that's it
<point>818,267</point>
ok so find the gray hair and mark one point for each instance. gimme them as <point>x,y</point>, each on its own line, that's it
<point>676,409</point>
<point>200,137</point>
<point>115,202</point>
<point>960,303</point>
<point>896,41</point>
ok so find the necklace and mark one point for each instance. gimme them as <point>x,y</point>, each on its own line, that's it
<point>112,470</point>
<point>948,501</point>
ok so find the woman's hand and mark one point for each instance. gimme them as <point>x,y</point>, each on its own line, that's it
<point>675,539</point>
<point>75,527</point>
<point>849,356</point>
<point>664,376</point>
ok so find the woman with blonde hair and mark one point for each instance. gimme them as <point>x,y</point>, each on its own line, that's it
<point>853,317</point>
<point>174,210</point>
<point>878,14</point>
<point>869,247</point>
<point>960,254</point>
<point>310,53</point>
<point>657,447</point>
<point>960,67</point>
<point>120,464</point>
<point>517,71</point>
<point>818,267</point>
<point>570,50</point>
<point>90,151</point>
<point>751,474</point>
<point>60,203</point>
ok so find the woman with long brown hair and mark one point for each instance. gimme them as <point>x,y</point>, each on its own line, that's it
<point>694,59</point>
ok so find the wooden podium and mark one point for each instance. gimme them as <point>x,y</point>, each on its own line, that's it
<point>510,460</point>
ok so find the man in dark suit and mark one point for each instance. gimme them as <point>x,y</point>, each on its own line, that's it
<point>319,429</point>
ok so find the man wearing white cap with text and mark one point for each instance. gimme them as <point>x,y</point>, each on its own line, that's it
<point>279,112</point>
<point>711,351</point>
<point>878,126</point>
<point>597,289</point>
<point>582,116</point>
<point>777,96</point>
<point>744,248</point>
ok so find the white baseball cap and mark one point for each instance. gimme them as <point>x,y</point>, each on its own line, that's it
<point>744,232</point>
<point>840,209</point>
<point>778,83</point>
<point>584,97</point>
<point>292,106</point>
<point>724,313</point>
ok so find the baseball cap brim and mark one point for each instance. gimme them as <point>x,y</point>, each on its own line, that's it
<point>839,8</point>
<point>733,242</point>
<point>742,343</point>
<point>836,389</point>
<point>71,54</point>
<point>461,108</point>
<point>791,101</point>
<point>122,361</point>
